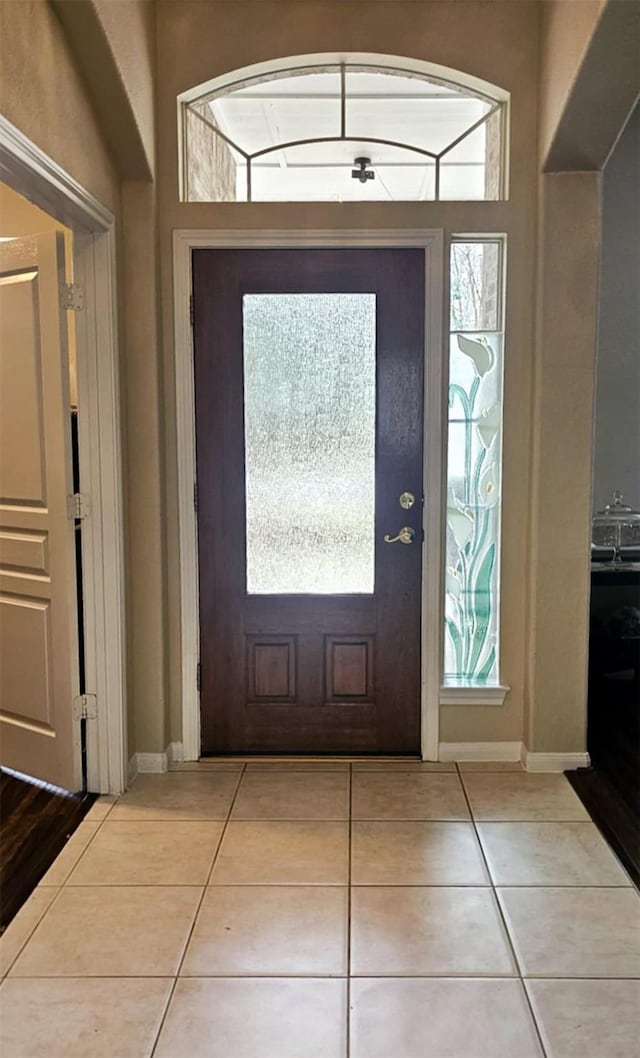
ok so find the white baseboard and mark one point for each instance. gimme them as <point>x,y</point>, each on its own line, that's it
<point>157,763</point>
<point>154,763</point>
<point>554,762</point>
<point>151,763</point>
<point>483,751</point>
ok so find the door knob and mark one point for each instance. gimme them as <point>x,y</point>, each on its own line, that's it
<point>405,536</point>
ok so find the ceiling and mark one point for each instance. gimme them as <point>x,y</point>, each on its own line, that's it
<point>377,106</point>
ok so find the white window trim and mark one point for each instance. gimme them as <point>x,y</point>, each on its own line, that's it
<point>452,693</point>
<point>32,173</point>
<point>432,242</point>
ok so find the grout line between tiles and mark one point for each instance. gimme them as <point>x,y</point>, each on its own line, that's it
<point>94,977</point>
<point>334,885</point>
<point>318,819</point>
<point>195,917</point>
<point>449,976</point>
<point>85,850</point>
<point>169,820</point>
<point>32,931</point>
<point>335,819</point>
<point>503,920</point>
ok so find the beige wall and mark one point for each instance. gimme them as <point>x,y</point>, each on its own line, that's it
<point>566,28</point>
<point>587,93</point>
<point>588,78</point>
<point>147,606</point>
<point>617,431</point>
<point>130,28</point>
<point>113,42</point>
<point>496,42</point>
<point>559,545</point>
<point>43,93</point>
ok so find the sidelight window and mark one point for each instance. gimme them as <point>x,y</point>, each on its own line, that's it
<point>341,132</point>
<point>474,461</point>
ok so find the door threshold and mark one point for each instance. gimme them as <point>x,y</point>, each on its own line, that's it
<point>308,759</point>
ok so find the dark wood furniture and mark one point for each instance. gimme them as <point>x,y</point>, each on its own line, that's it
<point>610,789</point>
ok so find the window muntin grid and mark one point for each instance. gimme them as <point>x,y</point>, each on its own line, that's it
<point>459,155</point>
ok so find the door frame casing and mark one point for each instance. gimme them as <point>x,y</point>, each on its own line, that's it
<point>432,242</point>
<point>33,174</point>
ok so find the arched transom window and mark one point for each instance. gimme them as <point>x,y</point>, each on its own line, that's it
<point>349,131</point>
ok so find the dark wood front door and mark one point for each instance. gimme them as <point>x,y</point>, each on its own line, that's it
<point>309,427</point>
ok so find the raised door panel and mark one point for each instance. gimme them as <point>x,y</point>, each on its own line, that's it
<point>22,455</point>
<point>271,665</point>
<point>22,551</point>
<point>26,691</point>
<point>349,666</point>
<point>38,610</point>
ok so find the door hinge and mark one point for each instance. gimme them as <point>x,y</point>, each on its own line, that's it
<point>191,311</point>
<point>78,505</point>
<point>199,676</point>
<point>195,495</point>
<point>72,296</point>
<point>85,707</point>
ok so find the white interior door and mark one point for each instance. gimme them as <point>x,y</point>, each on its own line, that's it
<point>39,669</point>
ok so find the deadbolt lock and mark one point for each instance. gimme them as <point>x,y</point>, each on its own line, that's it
<point>407,500</point>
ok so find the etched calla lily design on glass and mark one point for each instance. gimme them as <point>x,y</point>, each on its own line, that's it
<point>480,352</point>
<point>473,508</point>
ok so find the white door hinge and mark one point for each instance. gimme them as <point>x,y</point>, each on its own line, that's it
<point>191,310</point>
<point>195,495</point>
<point>85,707</point>
<point>72,296</point>
<point>78,505</point>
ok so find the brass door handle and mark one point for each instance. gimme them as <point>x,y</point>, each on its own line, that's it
<point>405,536</point>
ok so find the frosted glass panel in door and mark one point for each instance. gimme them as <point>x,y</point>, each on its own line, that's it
<point>310,424</point>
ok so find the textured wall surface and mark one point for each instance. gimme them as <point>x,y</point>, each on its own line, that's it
<point>559,547</point>
<point>43,93</point>
<point>210,166</point>
<point>617,441</point>
<point>113,43</point>
<point>494,41</point>
<point>579,62</point>
<point>566,27</point>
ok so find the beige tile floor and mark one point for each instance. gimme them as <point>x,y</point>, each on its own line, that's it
<point>379,910</point>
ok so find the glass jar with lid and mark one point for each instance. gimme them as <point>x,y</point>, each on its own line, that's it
<point>616,525</point>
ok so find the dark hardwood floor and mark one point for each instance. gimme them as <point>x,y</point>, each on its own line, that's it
<point>36,820</point>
